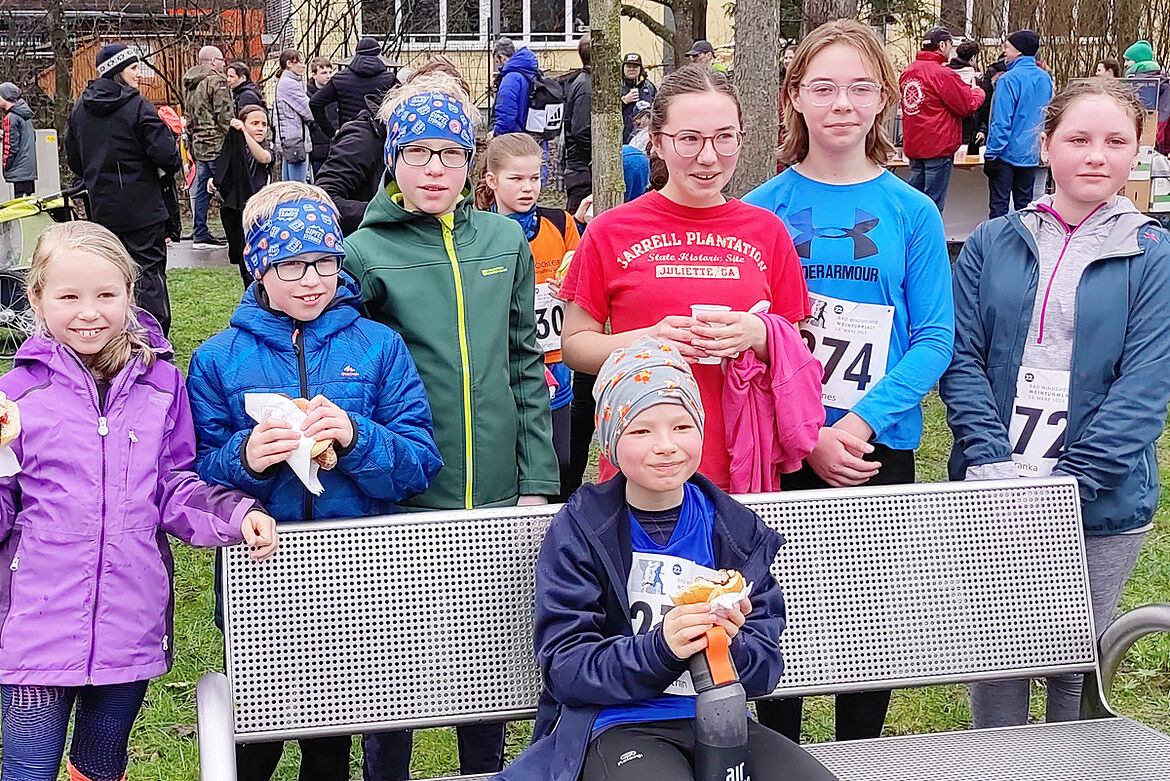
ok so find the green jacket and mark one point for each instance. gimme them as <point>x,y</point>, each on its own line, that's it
<point>209,106</point>
<point>460,291</point>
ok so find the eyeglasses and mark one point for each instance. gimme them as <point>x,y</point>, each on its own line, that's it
<point>862,94</point>
<point>689,143</point>
<point>419,156</point>
<point>294,270</point>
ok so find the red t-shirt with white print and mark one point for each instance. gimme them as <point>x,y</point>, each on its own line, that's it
<point>652,257</point>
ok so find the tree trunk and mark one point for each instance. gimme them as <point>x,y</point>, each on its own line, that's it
<point>684,30</point>
<point>62,66</point>
<point>817,12</point>
<point>757,77</point>
<point>605,36</point>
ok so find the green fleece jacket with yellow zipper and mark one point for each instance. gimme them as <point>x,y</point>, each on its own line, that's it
<point>460,289</point>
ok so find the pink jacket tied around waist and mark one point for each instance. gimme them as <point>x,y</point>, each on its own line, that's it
<point>772,411</point>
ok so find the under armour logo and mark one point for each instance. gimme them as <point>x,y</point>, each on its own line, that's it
<point>863,223</point>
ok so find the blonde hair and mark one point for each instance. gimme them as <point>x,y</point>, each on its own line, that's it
<point>262,205</point>
<point>90,237</point>
<point>435,81</point>
<point>501,149</point>
<point>847,32</point>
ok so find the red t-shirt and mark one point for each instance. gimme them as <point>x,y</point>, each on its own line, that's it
<point>652,257</point>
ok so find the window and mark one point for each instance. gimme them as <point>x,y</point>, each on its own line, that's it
<point>462,24</point>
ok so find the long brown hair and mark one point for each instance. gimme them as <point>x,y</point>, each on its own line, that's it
<point>501,149</point>
<point>848,32</point>
<point>687,80</point>
<point>81,236</point>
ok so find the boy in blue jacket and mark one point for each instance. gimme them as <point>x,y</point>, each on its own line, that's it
<point>298,332</point>
<point>618,702</point>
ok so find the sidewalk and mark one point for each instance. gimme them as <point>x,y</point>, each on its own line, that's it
<point>183,255</point>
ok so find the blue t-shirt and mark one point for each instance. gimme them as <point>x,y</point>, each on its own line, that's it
<point>878,243</point>
<point>692,540</point>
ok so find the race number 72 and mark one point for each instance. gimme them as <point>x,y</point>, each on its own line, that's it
<point>1032,417</point>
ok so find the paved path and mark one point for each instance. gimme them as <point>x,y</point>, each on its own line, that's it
<point>183,255</point>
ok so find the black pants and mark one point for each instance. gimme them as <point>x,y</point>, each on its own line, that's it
<point>1004,180</point>
<point>233,229</point>
<point>148,247</point>
<point>580,432</point>
<point>21,189</point>
<point>661,750</point>
<point>860,714</point>
<point>562,423</point>
<point>387,754</point>
<point>578,184</point>
<point>322,759</point>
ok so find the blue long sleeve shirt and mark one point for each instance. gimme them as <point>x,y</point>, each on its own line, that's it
<point>879,242</point>
<point>1017,113</point>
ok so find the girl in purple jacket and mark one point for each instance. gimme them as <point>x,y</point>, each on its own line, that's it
<point>106,450</point>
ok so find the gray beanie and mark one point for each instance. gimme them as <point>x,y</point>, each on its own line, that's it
<point>635,378</point>
<point>9,91</point>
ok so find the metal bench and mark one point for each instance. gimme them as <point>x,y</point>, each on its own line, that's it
<point>425,620</point>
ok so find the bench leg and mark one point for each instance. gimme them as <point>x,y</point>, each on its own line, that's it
<point>1115,641</point>
<point>217,745</point>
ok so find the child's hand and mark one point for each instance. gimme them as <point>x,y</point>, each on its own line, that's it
<point>237,123</point>
<point>271,442</point>
<point>684,627</point>
<point>260,533</point>
<point>734,619</point>
<point>582,214</point>
<point>325,420</point>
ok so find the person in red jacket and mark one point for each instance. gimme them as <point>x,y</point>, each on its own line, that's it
<point>934,101</point>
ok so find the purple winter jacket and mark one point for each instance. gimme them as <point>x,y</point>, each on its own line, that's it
<point>85,567</point>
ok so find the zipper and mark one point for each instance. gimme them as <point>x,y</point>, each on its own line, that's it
<point>130,457</point>
<point>469,442</point>
<point>1068,236</point>
<point>298,339</point>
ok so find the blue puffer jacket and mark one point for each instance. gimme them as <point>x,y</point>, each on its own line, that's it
<point>1119,372</point>
<point>362,366</point>
<point>517,76</point>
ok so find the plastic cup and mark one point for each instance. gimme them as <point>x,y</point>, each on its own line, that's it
<point>696,312</point>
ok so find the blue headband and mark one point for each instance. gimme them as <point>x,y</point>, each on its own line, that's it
<point>429,116</point>
<point>295,228</point>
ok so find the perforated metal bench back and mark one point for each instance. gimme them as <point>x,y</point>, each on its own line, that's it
<point>416,620</point>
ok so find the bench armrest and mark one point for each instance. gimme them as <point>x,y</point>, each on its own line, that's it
<point>1115,642</point>
<point>217,745</point>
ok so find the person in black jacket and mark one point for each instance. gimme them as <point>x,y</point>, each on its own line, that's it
<point>245,92</point>
<point>320,73</point>
<point>366,74</point>
<point>353,170</point>
<point>116,143</point>
<point>242,169</point>
<point>578,152</point>
<point>637,92</point>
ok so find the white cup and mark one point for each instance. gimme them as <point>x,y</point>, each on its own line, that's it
<point>696,310</point>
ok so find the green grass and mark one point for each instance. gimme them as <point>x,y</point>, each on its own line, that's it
<point>163,746</point>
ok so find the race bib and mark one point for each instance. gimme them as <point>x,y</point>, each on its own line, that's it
<point>1039,419</point>
<point>550,319</point>
<point>852,342</point>
<point>654,577</point>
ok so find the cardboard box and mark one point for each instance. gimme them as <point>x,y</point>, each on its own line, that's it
<point>1160,195</point>
<point>1150,129</point>
<point>1141,170</point>
<point>1139,193</point>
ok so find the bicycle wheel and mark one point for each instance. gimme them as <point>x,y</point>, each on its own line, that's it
<point>17,321</point>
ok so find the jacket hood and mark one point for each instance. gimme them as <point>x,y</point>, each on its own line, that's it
<point>523,62</point>
<point>367,64</point>
<point>275,329</point>
<point>931,56</point>
<point>1117,221</point>
<point>105,96</point>
<point>41,348</point>
<point>20,108</point>
<point>195,75</point>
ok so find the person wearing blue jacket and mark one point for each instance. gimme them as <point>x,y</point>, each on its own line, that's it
<point>618,702</point>
<point>298,332</point>
<point>878,274</point>
<point>518,69</point>
<point>1017,113</point>
<point>1062,355</point>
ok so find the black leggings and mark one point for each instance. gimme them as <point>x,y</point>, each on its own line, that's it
<point>665,751</point>
<point>322,759</point>
<point>233,230</point>
<point>581,433</point>
<point>861,714</point>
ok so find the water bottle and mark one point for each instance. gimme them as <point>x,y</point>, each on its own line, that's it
<point>721,720</point>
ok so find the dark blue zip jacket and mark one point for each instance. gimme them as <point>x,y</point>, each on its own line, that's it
<point>517,75</point>
<point>361,366</point>
<point>589,656</point>
<point>1119,374</point>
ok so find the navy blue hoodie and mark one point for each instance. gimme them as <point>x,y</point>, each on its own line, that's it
<point>588,654</point>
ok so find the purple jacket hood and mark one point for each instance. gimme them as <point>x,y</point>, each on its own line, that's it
<point>85,565</point>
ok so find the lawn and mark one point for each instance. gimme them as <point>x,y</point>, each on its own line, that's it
<point>163,746</point>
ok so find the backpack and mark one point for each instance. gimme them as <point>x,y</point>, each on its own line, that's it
<point>546,107</point>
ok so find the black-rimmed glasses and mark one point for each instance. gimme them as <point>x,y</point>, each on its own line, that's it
<point>294,270</point>
<point>419,156</point>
